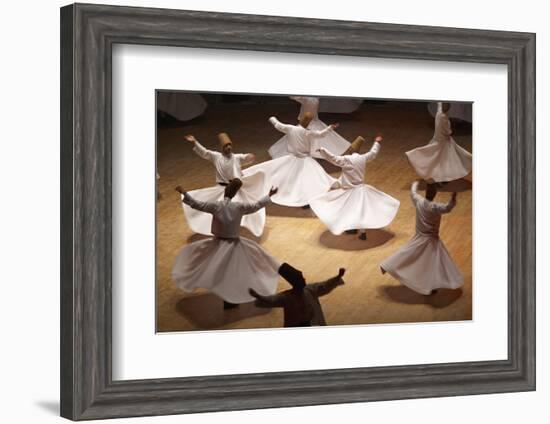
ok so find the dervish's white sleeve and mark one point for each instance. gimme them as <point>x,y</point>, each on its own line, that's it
<point>334,159</point>
<point>319,133</point>
<point>203,152</point>
<point>279,126</point>
<point>373,152</point>
<point>248,208</point>
<point>415,197</point>
<point>245,158</point>
<point>209,207</point>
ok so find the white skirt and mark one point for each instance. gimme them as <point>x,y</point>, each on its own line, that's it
<point>227,267</point>
<point>331,141</point>
<point>298,179</point>
<point>423,265</point>
<point>440,161</point>
<point>355,208</point>
<point>252,190</point>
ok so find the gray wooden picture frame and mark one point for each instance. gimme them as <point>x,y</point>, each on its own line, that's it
<point>88,33</point>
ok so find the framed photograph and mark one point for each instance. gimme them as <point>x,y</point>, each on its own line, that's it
<point>225,177</point>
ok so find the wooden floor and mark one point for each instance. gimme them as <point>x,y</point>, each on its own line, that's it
<point>296,236</point>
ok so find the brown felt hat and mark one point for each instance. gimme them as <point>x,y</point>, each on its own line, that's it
<point>306,119</point>
<point>224,139</point>
<point>355,146</point>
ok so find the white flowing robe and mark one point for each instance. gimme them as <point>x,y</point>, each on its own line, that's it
<point>332,141</point>
<point>227,168</point>
<point>226,264</point>
<point>352,204</point>
<point>298,176</point>
<point>424,264</point>
<point>442,159</point>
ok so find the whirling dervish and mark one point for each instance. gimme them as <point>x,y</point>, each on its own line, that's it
<point>352,204</point>
<point>228,166</point>
<point>424,264</point>
<point>298,176</point>
<point>442,159</point>
<point>226,263</point>
<point>332,141</point>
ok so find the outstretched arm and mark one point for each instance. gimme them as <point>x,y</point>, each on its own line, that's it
<point>246,159</point>
<point>209,207</point>
<point>199,149</point>
<point>273,301</point>
<point>321,289</point>
<point>279,126</point>
<point>321,133</point>
<point>415,197</point>
<point>373,152</point>
<point>334,159</point>
<point>248,208</point>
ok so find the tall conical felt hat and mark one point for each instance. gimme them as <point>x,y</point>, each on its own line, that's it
<point>306,118</point>
<point>292,275</point>
<point>224,139</point>
<point>355,146</point>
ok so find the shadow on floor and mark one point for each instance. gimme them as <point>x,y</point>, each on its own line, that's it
<point>244,233</point>
<point>51,406</point>
<point>457,186</point>
<point>402,294</point>
<point>205,311</point>
<point>274,209</point>
<point>345,241</point>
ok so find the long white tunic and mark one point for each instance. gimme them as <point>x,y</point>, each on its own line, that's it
<point>424,264</point>
<point>298,177</point>
<point>226,264</point>
<point>352,204</point>
<point>330,140</point>
<point>442,159</point>
<point>227,168</point>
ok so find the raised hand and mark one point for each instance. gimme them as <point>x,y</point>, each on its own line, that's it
<point>341,272</point>
<point>334,126</point>
<point>379,138</point>
<point>273,191</point>
<point>180,190</point>
<point>190,138</point>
